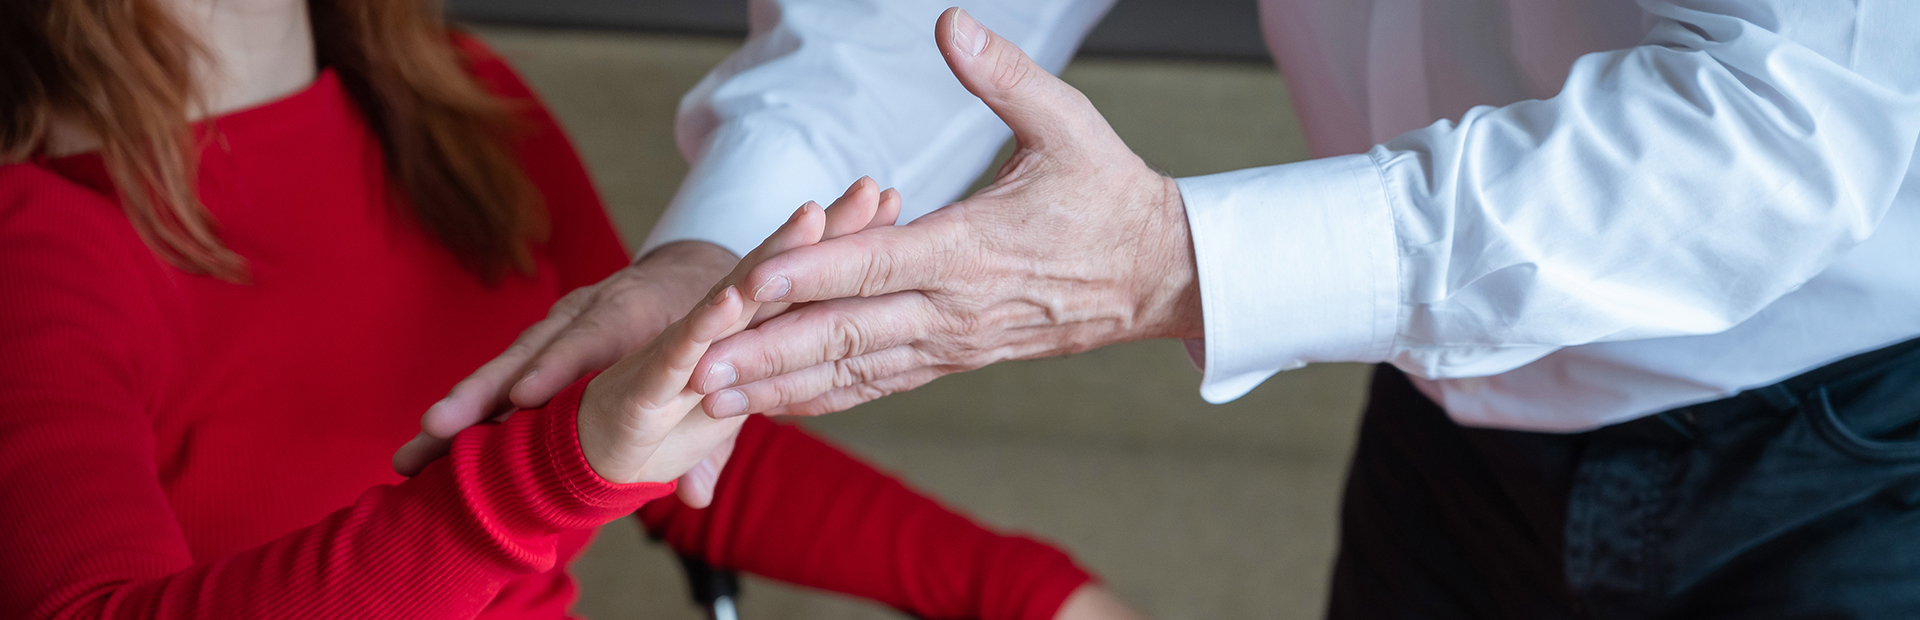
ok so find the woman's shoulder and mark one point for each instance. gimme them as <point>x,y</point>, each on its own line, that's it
<point>57,223</point>
<point>34,196</point>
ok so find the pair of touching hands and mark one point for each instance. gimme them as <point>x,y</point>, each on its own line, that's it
<point>633,420</point>
<point>1077,244</point>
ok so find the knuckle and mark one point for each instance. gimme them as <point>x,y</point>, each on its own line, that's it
<point>764,361</point>
<point>586,327</point>
<point>865,392</point>
<point>1012,74</point>
<point>880,269</point>
<point>529,340</point>
<point>788,392</point>
<point>574,300</point>
<point>849,337</point>
<point>851,371</point>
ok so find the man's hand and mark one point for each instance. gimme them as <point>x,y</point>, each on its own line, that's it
<point>587,330</point>
<point>1077,244</point>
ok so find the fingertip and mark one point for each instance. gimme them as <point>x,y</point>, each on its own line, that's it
<point>959,34</point>
<point>772,288</point>
<point>889,211</point>
<point>859,185</point>
<point>414,455</point>
<point>531,390</point>
<point>722,310</point>
<point>446,417</point>
<point>696,486</point>
<point>806,227</point>
<point>813,223</point>
<point>724,404</point>
<point>852,212</point>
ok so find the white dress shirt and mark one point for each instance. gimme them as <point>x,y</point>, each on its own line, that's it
<point>1555,214</point>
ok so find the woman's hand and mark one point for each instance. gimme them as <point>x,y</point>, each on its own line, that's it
<point>629,412</point>
<point>633,422</point>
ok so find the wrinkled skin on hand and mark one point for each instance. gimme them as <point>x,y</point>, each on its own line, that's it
<point>1077,244</point>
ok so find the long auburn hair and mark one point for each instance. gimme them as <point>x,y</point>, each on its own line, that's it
<point>123,70</point>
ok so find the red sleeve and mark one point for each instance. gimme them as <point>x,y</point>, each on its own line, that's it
<point>792,507</point>
<point>584,247</point>
<point>86,531</point>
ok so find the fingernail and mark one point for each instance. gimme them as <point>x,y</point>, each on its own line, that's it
<point>729,403</point>
<point>699,480</point>
<point>775,288</point>
<point>719,375</point>
<point>525,378</point>
<point>720,297</point>
<point>968,35</point>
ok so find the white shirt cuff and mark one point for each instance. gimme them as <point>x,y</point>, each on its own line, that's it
<point>1298,263</point>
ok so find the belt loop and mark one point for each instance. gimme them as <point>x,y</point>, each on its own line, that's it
<point>1683,421</point>
<point>1777,396</point>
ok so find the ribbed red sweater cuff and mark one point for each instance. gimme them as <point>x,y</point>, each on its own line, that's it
<point>538,481</point>
<point>1039,582</point>
<point>609,500</point>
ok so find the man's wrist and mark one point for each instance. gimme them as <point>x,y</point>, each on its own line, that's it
<point>690,253</point>
<point>1171,278</point>
<point>685,269</point>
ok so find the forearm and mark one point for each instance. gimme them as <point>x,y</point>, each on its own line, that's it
<point>830,90</point>
<point>1674,188</point>
<point>681,272</point>
<point>436,546</point>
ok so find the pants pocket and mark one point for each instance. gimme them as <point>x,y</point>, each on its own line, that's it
<point>1881,427</point>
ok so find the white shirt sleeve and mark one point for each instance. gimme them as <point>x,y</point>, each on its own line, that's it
<point>825,91</point>
<point>1673,188</point>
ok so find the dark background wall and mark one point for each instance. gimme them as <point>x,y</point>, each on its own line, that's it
<point>1214,29</point>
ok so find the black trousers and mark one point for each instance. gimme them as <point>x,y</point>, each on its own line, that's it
<point>1797,500</point>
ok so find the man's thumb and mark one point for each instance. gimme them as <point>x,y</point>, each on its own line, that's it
<point>1038,106</point>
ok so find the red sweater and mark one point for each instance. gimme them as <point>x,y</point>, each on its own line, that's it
<point>174,446</point>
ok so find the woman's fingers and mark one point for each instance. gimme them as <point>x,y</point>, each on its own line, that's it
<point>888,212</point>
<point>860,208</point>
<point>664,379</point>
<point>853,210</point>
<point>804,228</point>
<point>655,382</point>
